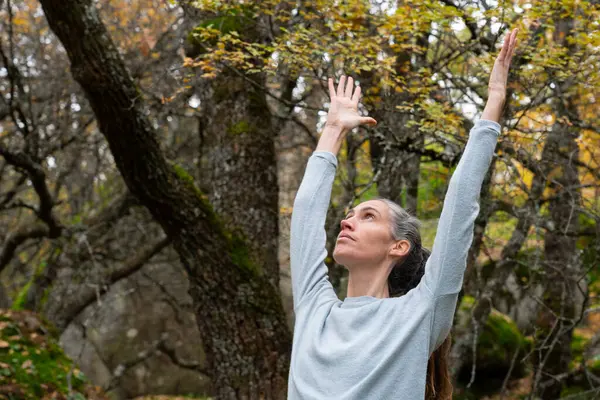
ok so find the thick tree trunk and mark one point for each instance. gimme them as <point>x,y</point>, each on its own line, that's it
<point>389,158</point>
<point>411,172</point>
<point>242,165</point>
<point>239,137</point>
<point>563,298</point>
<point>238,310</point>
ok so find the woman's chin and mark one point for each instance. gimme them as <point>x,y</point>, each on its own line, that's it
<point>341,256</point>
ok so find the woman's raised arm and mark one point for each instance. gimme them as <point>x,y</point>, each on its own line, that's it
<point>446,266</point>
<point>307,237</point>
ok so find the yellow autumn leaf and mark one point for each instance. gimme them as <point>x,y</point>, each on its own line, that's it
<point>19,21</point>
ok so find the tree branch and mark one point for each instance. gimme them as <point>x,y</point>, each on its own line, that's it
<point>38,179</point>
<point>126,269</point>
<point>15,239</point>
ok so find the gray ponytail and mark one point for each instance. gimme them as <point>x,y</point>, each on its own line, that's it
<point>407,273</point>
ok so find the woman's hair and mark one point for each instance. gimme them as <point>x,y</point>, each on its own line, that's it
<point>406,275</point>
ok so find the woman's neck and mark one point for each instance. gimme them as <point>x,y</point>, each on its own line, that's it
<point>368,282</point>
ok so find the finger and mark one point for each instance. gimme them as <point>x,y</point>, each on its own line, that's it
<point>349,87</point>
<point>368,121</point>
<point>340,88</point>
<point>505,45</point>
<point>513,44</point>
<point>509,53</point>
<point>331,88</point>
<point>356,95</point>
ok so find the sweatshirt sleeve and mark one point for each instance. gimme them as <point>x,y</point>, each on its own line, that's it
<point>307,236</point>
<point>445,267</point>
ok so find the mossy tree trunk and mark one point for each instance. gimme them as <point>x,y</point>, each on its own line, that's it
<point>563,297</point>
<point>238,311</point>
<point>242,165</point>
<point>239,170</point>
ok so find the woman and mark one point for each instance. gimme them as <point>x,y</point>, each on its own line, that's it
<point>372,345</point>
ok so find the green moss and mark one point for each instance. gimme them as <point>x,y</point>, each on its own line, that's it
<point>236,242</point>
<point>239,128</point>
<point>500,338</point>
<point>32,362</point>
<point>467,302</point>
<point>45,297</point>
<point>240,254</point>
<point>183,174</point>
<point>497,344</point>
<point>188,180</point>
<point>578,343</point>
<point>21,297</point>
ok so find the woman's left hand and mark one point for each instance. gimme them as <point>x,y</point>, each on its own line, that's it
<point>498,79</point>
<point>499,75</point>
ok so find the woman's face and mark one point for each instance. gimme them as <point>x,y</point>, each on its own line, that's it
<point>365,236</point>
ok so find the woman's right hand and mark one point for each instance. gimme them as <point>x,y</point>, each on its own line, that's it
<point>343,115</point>
<point>343,111</point>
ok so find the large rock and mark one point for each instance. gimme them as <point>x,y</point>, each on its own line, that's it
<point>142,337</point>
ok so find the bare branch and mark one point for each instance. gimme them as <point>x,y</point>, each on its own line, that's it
<point>122,271</point>
<point>15,239</point>
<point>38,179</point>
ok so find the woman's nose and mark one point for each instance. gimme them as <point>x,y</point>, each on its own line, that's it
<point>346,224</point>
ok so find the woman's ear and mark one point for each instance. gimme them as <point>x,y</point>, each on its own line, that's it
<point>400,248</point>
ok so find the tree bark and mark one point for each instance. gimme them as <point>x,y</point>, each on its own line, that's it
<point>563,296</point>
<point>559,316</point>
<point>400,169</point>
<point>4,299</point>
<point>241,171</point>
<point>238,311</point>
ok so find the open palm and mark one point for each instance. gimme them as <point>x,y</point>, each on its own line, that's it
<point>499,75</point>
<point>343,111</point>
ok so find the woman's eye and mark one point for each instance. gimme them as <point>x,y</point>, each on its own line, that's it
<point>369,216</point>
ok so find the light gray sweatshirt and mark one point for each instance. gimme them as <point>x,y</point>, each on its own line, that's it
<point>364,347</point>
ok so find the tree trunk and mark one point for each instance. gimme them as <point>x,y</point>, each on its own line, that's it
<point>388,157</point>
<point>4,299</point>
<point>563,297</point>
<point>242,164</point>
<point>238,310</point>
<point>558,317</point>
<point>400,168</point>
<point>241,171</point>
